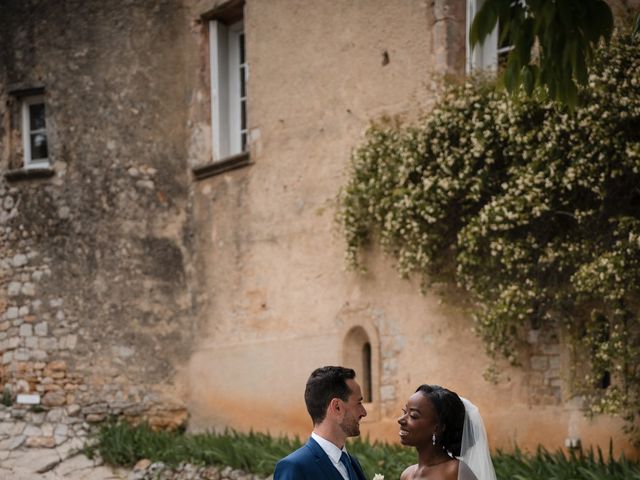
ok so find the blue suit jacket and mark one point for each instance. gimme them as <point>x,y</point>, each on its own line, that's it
<point>310,462</point>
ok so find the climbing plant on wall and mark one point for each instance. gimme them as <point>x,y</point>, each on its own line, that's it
<point>531,207</point>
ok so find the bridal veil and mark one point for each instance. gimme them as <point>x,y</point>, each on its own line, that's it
<point>474,451</point>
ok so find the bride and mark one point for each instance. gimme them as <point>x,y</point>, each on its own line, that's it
<point>448,434</point>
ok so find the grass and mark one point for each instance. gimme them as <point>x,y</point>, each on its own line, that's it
<point>120,444</point>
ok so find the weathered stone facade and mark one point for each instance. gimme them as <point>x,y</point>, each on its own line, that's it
<point>132,287</point>
<point>95,308</point>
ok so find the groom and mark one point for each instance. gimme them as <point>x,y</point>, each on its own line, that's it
<point>334,401</point>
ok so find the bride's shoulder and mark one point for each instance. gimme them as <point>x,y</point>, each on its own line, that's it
<point>465,472</point>
<point>450,469</point>
<point>408,472</point>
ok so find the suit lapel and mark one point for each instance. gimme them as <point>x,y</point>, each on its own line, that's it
<point>323,461</point>
<point>357,467</point>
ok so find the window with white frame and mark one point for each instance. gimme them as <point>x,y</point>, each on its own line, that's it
<point>492,53</point>
<point>34,132</point>
<point>229,73</point>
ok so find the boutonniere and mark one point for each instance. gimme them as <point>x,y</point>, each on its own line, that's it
<point>378,476</point>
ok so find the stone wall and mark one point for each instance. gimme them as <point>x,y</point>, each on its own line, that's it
<point>95,305</point>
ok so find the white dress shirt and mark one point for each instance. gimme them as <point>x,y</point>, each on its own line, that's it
<point>334,454</point>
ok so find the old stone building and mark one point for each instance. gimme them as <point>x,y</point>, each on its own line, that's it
<point>168,245</point>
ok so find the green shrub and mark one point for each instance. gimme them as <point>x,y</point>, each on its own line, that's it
<point>533,208</point>
<point>123,445</point>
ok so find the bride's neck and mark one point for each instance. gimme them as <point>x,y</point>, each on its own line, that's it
<point>430,456</point>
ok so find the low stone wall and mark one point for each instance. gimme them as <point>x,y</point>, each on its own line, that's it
<point>21,426</point>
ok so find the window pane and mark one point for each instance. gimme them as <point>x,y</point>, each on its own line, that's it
<point>242,82</point>
<point>36,116</point>
<point>243,140</point>
<point>367,384</point>
<point>241,48</point>
<point>243,115</point>
<point>39,146</point>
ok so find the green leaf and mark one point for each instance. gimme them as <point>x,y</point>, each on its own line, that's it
<point>528,79</point>
<point>483,23</point>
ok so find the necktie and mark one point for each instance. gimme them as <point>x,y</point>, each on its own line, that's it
<point>346,461</point>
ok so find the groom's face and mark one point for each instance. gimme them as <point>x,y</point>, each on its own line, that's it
<point>354,410</point>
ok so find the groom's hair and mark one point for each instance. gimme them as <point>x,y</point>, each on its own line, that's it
<point>450,411</point>
<point>325,384</point>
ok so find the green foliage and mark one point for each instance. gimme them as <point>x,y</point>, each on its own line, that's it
<point>531,207</point>
<point>565,32</point>
<point>545,465</point>
<point>120,444</point>
<point>6,399</point>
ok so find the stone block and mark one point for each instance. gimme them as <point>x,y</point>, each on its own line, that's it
<point>14,289</point>
<point>47,430</point>
<point>21,355</point>
<point>52,387</point>
<point>21,386</point>
<point>55,415</point>
<point>16,442</point>
<point>539,363</point>
<point>387,393</point>
<point>7,357</point>
<point>95,417</point>
<point>4,326</point>
<point>26,330</point>
<point>40,442</point>
<point>18,428</point>
<point>6,428</point>
<point>39,355</point>
<point>31,342</point>
<point>36,418</point>
<point>70,342</point>
<point>57,365</point>
<point>28,289</point>
<point>73,410</point>
<point>54,399</point>
<point>56,302</point>
<point>48,343</point>
<point>41,329</point>
<point>11,313</point>
<point>19,260</point>
<point>101,407</point>
<point>32,431</point>
<point>61,430</point>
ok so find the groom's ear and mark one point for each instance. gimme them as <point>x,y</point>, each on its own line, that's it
<point>335,405</point>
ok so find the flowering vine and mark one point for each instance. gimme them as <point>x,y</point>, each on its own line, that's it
<point>531,207</point>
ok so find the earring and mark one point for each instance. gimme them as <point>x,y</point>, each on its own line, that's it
<point>433,438</point>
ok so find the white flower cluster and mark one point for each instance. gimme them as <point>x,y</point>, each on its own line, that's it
<point>533,208</point>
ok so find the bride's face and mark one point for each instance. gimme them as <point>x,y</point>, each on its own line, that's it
<point>418,421</point>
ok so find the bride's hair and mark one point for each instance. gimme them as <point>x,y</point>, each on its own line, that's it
<point>450,411</point>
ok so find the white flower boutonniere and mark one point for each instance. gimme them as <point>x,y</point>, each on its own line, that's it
<point>378,476</point>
